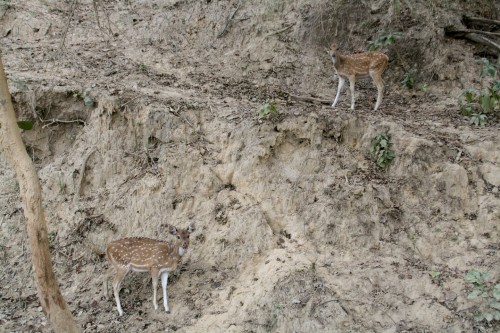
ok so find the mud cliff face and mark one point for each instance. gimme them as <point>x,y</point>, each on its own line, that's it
<point>297,228</point>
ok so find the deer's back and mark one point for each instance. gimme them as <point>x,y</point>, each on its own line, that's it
<point>139,252</point>
<point>360,64</point>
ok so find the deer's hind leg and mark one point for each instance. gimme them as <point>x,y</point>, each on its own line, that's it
<point>154,276</point>
<point>379,83</point>
<point>117,281</point>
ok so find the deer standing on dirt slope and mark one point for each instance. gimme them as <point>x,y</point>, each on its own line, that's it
<point>147,255</point>
<point>360,65</point>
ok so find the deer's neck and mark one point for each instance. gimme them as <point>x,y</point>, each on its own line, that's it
<point>179,249</point>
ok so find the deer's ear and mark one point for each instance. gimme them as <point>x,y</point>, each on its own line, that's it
<point>172,230</point>
<point>191,228</point>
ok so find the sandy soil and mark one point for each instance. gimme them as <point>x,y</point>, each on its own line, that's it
<point>298,230</point>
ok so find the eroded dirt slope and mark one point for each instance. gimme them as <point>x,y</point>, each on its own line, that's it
<point>297,229</point>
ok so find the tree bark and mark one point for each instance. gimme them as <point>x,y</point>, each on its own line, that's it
<point>53,304</point>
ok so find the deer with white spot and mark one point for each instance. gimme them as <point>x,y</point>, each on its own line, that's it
<point>147,255</point>
<point>359,65</point>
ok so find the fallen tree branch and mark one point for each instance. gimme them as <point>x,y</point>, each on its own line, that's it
<point>57,121</point>
<point>480,20</point>
<point>310,99</point>
<point>452,32</point>
<point>483,40</point>
<point>281,30</point>
<point>473,36</point>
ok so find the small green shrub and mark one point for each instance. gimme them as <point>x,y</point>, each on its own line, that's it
<point>467,101</point>
<point>488,68</point>
<point>384,40</point>
<point>478,119</point>
<point>489,292</point>
<point>268,109</point>
<point>408,79</point>
<point>478,104</point>
<point>52,239</point>
<point>381,150</point>
<point>5,4</point>
<point>25,124</point>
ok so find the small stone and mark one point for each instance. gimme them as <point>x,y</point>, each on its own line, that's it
<point>88,101</point>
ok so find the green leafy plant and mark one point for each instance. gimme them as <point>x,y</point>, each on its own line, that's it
<point>490,307</point>
<point>480,105</point>
<point>52,239</point>
<point>61,185</point>
<point>25,125</point>
<point>268,109</point>
<point>488,68</point>
<point>384,40</point>
<point>408,79</point>
<point>478,119</point>
<point>20,84</point>
<point>5,4</point>
<point>143,68</point>
<point>381,150</point>
<point>244,69</point>
<point>467,101</point>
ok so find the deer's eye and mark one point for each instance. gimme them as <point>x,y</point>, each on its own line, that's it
<point>178,237</point>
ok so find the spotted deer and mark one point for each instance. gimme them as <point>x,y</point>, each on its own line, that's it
<point>359,65</point>
<point>147,255</point>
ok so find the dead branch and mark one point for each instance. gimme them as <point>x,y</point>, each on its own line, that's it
<point>229,21</point>
<point>483,40</point>
<point>460,32</point>
<point>71,12</point>
<point>475,36</point>
<point>480,20</point>
<point>280,30</point>
<point>310,99</point>
<point>57,121</point>
<point>96,4</point>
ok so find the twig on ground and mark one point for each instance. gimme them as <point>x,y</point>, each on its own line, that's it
<point>57,121</point>
<point>310,99</point>
<point>82,175</point>
<point>229,21</point>
<point>71,12</point>
<point>280,31</point>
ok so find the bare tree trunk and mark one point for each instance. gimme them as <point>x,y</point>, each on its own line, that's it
<point>53,303</point>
